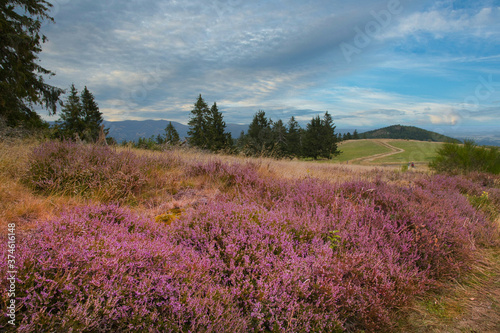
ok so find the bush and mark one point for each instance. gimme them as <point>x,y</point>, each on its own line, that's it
<point>454,158</point>
<point>88,170</point>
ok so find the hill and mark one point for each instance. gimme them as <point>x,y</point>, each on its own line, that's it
<point>407,133</point>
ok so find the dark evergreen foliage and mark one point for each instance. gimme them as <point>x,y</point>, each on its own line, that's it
<point>171,135</point>
<point>21,78</point>
<point>80,117</point>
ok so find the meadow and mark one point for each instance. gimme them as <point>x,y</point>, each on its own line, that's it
<point>361,151</point>
<point>355,149</point>
<point>125,240</point>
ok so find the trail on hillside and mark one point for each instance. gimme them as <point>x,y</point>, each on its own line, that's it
<point>371,158</point>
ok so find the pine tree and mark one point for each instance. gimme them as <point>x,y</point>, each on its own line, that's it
<point>260,134</point>
<point>319,139</point>
<point>293,138</point>
<point>279,134</point>
<point>329,141</point>
<point>313,135</point>
<point>21,77</point>
<point>198,124</point>
<point>171,135</point>
<point>217,139</point>
<point>91,115</point>
<point>80,117</point>
<point>71,120</point>
<point>355,135</point>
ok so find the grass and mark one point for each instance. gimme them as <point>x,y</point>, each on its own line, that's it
<point>414,151</point>
<point>354,149</point>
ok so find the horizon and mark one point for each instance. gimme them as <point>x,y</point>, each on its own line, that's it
<point>432,64</point>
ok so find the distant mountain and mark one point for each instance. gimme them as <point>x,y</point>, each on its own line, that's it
<point>407,133</point>
<point>132,130</point>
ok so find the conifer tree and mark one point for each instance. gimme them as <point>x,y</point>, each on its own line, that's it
<point>293,138</point>
<point>80,116</point>
<point>312,138</point>
<point>21,77</point>
<point>329,141</point>
<point>91,115</point>
<point>171,134</point>
<point>319,139</point>
<point>217,139</point>
<point>198,129</point>
<point>260,134</point>
<point>71,119</point>
<point>279,136</point>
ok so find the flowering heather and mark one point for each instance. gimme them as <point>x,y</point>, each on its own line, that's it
<point>89,170</point>
<point>267,254</point>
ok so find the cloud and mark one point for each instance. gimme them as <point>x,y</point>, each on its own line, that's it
<point>151,58</point>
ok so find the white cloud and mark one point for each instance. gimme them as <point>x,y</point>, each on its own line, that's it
<point>441,22</point>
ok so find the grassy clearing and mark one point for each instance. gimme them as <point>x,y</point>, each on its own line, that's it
<point>414,151</point>
<point>359,148</point>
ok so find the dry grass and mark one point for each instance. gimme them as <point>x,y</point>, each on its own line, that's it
<point>17,202</point>
<point>469,304</point>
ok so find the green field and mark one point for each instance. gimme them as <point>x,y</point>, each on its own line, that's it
<point>359,148</point>
<point>415,151</point>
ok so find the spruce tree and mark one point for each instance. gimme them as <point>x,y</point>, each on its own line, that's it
<point>198,129</point>
<point>329,140</point>
<point>71,118</point>
<point>312,139</point>
<point>91,115</point>
<point>21,77</point>
<point>260,134</point>
<point>217,139</point>
<point>279,134</point>
<point>293,138</point>
<point>171,135</point>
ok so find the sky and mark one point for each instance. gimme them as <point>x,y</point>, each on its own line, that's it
<point>433,64</point>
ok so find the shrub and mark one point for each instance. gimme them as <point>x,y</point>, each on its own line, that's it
<point>88,170</point>
<point>454,158</point>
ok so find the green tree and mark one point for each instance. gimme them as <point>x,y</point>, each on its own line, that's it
<point>329,140</point>
<point>171,134</point>
<point>71,117</point>
<point>198,124</point>
<point>92,117</point>
<point>217,138</point>
<point>319,139</point>
<point>260,134</point>
<point>293,138</point>
<point>312,137</point>
<point>21,78</point>
<point>279,137</point>
<point>80,116</point>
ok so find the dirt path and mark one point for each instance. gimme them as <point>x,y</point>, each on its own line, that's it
<point>371,158</point>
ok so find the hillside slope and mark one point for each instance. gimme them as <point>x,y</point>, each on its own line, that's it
<point>407,133</point>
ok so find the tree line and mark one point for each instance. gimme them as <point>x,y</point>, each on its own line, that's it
<point>265,137</point>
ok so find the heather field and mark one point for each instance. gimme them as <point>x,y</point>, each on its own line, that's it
<point>119,240</point>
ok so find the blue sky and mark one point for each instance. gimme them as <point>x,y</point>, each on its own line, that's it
<point>432,64</point>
